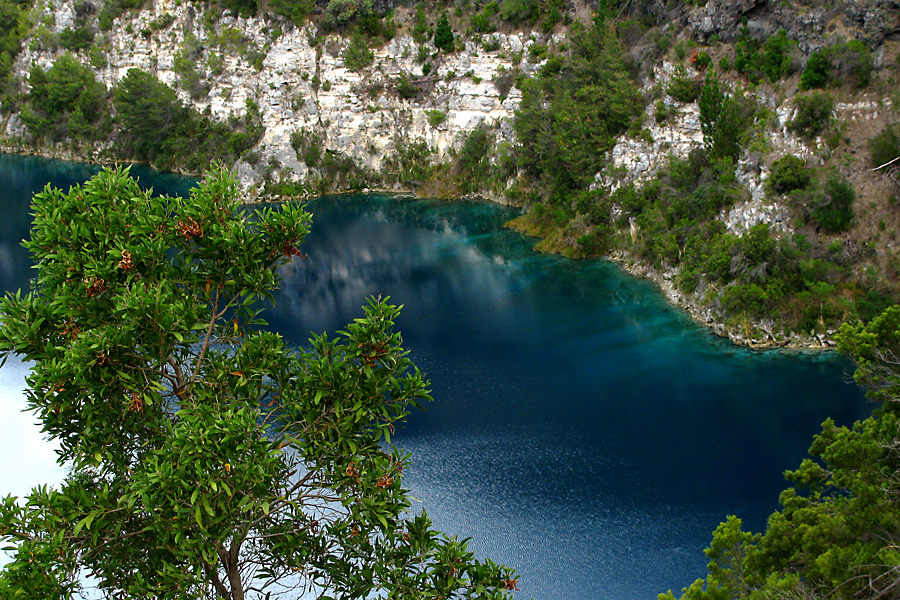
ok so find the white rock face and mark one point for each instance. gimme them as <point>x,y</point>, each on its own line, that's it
<point>638,160</point>
<point>356,112</point>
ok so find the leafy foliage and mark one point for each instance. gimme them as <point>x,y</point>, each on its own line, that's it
<point>13,27</point>
<point>80,38</point>
<point>723,118</point>
<point>835,213</point>
<point>443,35</point>
<point>683,87</point>
<point>208,458</point>
<point>357,54</point>
<point>66,101</point>
<point>852,62</point>
<point>815,73</point>
<point>757,60</point>
<point>307,145</point>
<point>789,173</point>
<point>185,64</point>
<point>849,62</point>
<point>814,114</point>
<point>296,10</point>
<point>473,163</point>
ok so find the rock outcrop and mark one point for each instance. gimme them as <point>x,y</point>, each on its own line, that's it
<point>300,81</point>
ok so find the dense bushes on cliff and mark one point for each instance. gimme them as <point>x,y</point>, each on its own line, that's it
<point>847,62</point>
<point>157,127</point>
<point>13,27</point>
<point>838,532</point>
<point>800,282</point>
<point>573,111</point>
<point>66,102</point>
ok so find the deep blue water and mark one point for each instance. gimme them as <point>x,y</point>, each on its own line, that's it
<point>583,430</point>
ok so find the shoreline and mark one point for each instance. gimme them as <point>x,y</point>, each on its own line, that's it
<point>757,338</point>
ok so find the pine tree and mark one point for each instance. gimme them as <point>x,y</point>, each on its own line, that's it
<point>443,35</point>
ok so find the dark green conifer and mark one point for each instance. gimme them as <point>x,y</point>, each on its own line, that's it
<point>443,35</point>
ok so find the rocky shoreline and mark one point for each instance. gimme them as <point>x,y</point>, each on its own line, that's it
<point>758,335</point>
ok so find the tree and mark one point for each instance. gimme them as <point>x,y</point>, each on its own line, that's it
<point>443,35</point>
<point>357,55</point>
<point>207,458</point>
<point>150,113</point>
<point>569,116</point>
<point>816,71</point>
<point>63,96</point>
<point>723,119</point>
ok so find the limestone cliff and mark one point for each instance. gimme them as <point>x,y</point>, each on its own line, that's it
<point>298,85</point>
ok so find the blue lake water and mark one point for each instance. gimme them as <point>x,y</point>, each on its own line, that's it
<point>583,430</point>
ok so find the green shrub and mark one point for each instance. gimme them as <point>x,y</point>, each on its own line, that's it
<point>420,27</point>
<point>788,174</point>
<point>405,88</point>
<point>836,211</point>
<point>755,60</point>
<point>295,10</point>
<point>724,119</point>
<point>157,127</point>
<point>520,11</point>
<point>80,38</point>
<point>814,114</point>
<point>66,101</point>
<point>357,54</point>
<point>185,65</point>
<point>443,35</point>
<point>98,58</point>
<point>748,298</point>
<point>307,146</point>
<point>436,117</point>
<point>661,112</point>
<point>566,125</point>
<point>683,88</point>
<point>816,72</point>
<point>852,62</point>
<point>481,23</point>
<point>702,61</point>
<point>884,146</point>
<point>490,44</point>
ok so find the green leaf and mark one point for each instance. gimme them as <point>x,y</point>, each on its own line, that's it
<point>207,507</point>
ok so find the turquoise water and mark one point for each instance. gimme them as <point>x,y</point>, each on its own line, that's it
<point>583,430</point>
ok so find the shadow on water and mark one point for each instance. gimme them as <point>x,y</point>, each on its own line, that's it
<point>583,430</point>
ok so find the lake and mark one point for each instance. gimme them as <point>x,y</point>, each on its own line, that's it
<point>583,430</point>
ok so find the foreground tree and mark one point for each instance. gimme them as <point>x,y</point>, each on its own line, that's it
<point>207,459</point>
